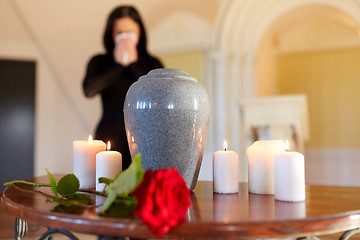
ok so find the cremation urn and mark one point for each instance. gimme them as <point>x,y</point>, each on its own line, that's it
<point>167,118</point>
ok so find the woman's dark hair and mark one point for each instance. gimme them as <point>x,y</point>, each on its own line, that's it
<point>120,12</point>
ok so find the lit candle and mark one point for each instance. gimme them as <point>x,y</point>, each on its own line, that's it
<point>225,171</point>
<point>85,160</point>
<point>261,165</point>
<point>108,165</point>
<point>289,176</point>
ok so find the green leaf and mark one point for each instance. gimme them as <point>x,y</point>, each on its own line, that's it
<point>109,200</point>
<point>72,209</point>
<point>53,185</point>
<point>125,183</point>
<point>28,183</point>
<point>81,198</point>
<point>123,207</point>
<point>68,185</point>
<point>105,180</point>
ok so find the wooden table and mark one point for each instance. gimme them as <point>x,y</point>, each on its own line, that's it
<point>327,209</point>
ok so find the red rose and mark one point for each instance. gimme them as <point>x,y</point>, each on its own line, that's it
<point>163,199</point>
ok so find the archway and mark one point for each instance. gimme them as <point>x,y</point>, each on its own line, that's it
<point>239,29</point>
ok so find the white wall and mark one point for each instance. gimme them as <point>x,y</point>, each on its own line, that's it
<point>312,28</point>
<point>62,35</point>
<point>59,116</point>
<point>238,33</point>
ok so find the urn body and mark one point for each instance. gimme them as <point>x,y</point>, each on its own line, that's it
<point>166,119</point>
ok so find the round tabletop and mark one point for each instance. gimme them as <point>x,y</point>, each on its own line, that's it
<point>327,209</point>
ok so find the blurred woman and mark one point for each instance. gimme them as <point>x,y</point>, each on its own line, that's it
<point>111,74</point>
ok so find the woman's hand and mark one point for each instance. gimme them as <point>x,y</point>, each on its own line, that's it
<point>125,51</point>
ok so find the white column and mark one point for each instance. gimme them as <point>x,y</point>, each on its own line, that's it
<point>219,114</point>
<point>209,86</point>
<point>215,71</point>
<point>249,76</point>
<point>236,131</point>
<point>235,96</point>
<point>233,76</point>
<point>249,90</point>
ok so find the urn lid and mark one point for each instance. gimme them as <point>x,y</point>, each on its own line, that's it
<point>167,73</point>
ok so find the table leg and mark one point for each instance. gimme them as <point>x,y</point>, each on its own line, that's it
<point>51,231</point>
<point>21,228</point>
<point>310,237</point>
<point>112,238</point>
<point>348,234</point>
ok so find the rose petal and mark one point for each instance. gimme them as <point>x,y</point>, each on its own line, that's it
<point>163,200</point>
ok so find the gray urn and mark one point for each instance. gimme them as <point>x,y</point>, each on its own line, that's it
<point>167,118</point>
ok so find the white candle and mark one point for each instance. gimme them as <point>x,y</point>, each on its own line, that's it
<point>108,165</point>
<point>85,160</point>
<point>261,165</point>
<point>289,176</point>
<point>225,171</point>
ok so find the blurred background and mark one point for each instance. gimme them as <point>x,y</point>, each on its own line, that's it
<point>273,69</point>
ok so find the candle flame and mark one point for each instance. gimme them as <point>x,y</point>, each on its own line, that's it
<point>90,139</point>
<point>287,146</point>
<point>225,145</point>
<point>108,146</point>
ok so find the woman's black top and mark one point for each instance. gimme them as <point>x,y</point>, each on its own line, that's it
<point>112,81</point>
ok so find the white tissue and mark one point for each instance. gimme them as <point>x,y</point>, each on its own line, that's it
<point>130,35</point>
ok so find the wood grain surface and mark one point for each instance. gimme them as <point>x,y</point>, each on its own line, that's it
<point>327,209</point>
